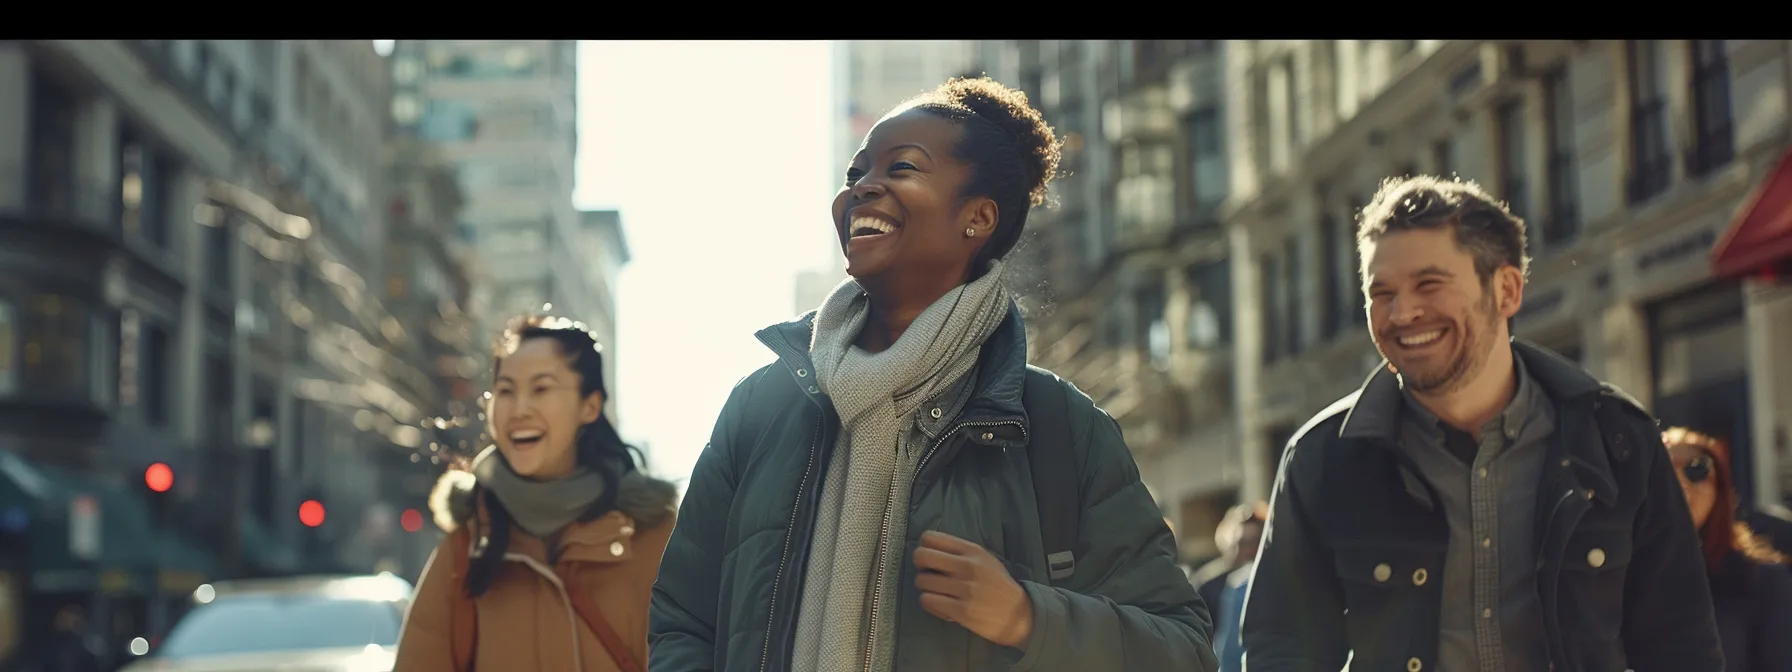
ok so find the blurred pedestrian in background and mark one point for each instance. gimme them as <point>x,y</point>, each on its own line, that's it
<point>1224,591</point>
<point>886,496</point>
<point>1751,585</point>
<point>555,533</point>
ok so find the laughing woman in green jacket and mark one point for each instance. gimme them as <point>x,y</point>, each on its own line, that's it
<point>866,502</point>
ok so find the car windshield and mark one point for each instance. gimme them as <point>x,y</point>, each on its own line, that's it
<point>251,623</point>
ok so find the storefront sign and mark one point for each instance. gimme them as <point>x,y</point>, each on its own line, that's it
<point>1671,261</point>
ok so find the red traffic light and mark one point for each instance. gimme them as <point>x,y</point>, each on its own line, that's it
<point>311,513</point>
<point>158,477</point>
<point>411,519</point>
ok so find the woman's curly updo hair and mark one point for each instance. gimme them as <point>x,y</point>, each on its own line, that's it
<point>1012,152</point>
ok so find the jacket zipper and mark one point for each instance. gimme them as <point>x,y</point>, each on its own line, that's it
<point>877,582</point>
<point>784,557</point>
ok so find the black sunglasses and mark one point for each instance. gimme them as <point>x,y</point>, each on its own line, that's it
<point>1698,469</point>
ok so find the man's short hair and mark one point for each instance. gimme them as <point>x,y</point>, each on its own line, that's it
<point>1484,227</point>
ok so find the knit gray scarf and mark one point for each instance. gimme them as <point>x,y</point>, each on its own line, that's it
<point>541,508</point>
<point>864,496</point>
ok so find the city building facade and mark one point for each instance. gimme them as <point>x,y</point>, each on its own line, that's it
<point>1628,160</point>
<point>1125,279</point>
<point>192,337</point>
<point>505,113</point>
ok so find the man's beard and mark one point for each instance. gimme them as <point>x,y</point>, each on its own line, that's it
<point>1470,357</point>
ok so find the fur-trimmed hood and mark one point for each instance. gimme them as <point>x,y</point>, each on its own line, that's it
<point>648,500</point>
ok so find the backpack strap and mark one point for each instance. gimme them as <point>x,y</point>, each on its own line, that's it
<point>594,619</point>
<point>463,616</point>
<point>1056,486</point>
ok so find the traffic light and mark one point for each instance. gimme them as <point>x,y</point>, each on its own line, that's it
<point>158,484</point>
<point>311,513</point>
<point>159,477</point>
<point>411,520</point>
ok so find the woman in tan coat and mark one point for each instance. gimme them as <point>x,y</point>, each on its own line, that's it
<point>554,535</point>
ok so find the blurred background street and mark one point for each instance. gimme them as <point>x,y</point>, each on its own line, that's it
<point>247,288</point>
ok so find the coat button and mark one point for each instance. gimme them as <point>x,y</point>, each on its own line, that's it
<point>988,436</point>
<point>615,548</point>
<point>1419,576</point>
<point>1413,665</point>
<point>802,373</point>
<point>935,413</point>
<point>1596,558</point>
<point>813,389</point>
<point>1383,571</point>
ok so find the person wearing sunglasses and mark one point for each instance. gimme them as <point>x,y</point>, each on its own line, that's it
<point>1750,584</point>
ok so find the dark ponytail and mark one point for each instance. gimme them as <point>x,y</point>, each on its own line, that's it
<point>598,446</point>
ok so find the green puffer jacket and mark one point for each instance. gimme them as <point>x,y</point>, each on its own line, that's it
<point>730,582</point>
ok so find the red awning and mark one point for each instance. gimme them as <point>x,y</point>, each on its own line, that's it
<point>1761,237</point>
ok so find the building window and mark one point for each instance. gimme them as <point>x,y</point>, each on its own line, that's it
<point>516,239</point>
<point>1153,331</point>
<point>1714,141</point>
<point>218,237</point>
<point>1270,279</point>
<point>449,121</point>
<point>143,189</point>
<point>1335,304</point>
<point>157,375</point>
<point>1512,157</point>
<point>1353,292</point>
<point>1210,304</point>
<point>104,355</point>
<point>1207,160</point>
<point>1650,155</point>
<point>219,382</point>
<point>490,61</point>
<point>1563,220</point>
<point>52,182</point>
<point>1291,294</point>
<point>54,357</point>
<point>9,349</point>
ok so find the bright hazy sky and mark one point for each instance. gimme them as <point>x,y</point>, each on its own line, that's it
<point>718,156</point>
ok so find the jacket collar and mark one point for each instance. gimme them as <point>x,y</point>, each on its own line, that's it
<point>1376,412</point>
<point>1000,372</point>
<point>1566,384</point>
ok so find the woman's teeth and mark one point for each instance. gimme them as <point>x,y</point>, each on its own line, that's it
<point>870,226</point>
<point>525,436</point>
<point>1421,339</point>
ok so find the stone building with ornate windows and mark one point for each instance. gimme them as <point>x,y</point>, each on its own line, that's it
<point>1628,160</point>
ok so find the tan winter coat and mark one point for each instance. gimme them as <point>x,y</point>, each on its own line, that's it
<point>525,620</point>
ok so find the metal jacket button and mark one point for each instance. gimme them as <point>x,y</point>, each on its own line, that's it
<point>1596,558</point>
<point>1383,571</point>
<point>935,413</point>
<point>1413,665</point>
<point>1419,576</point>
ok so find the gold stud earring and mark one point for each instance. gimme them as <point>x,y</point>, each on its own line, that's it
<point>970,232</point>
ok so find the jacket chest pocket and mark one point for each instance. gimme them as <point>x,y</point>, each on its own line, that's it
<point>1390,599</point>
<point>1594,568</point>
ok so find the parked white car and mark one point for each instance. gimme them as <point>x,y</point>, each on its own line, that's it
<point>300,624</point>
